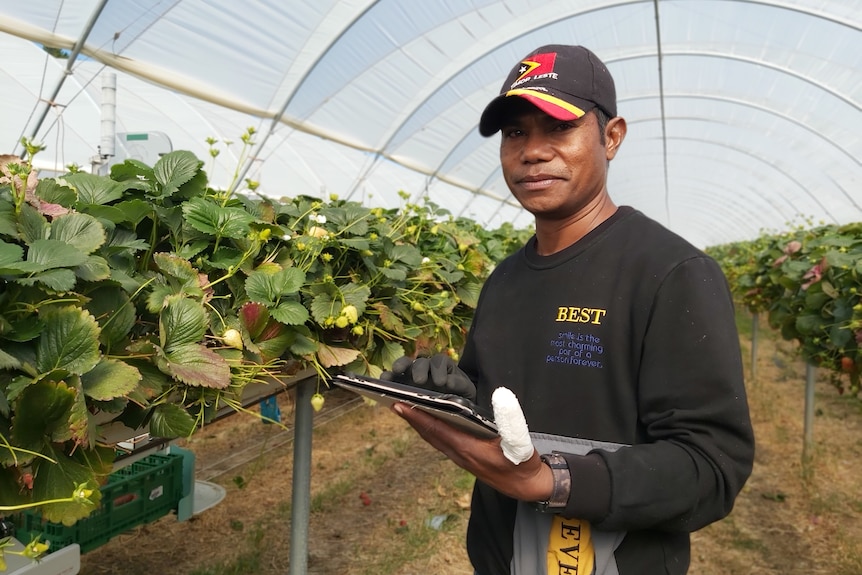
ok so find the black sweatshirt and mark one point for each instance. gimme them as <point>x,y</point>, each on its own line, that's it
<point>627,336</point>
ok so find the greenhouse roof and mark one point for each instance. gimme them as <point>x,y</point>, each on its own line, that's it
<point>744,116</point>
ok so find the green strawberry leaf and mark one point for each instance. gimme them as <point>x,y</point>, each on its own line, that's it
<point>7,361</point>
<point>356,295</point>
<point>79,230</point>
<point>224,258</point>
<point>114,311</point>
<point>108,214</point>
<point>358,243</point>
<point>395,274</point>
<point>59,481</point>
<point>94,269</point>
<point>183,321</point>
<point>79,419</point>
<point>27,328</point>
<point>323,306</point>
<point>303,344</point>
<point>159,296</point>
<point>17,385</point>
<point>10,488</point>
<point>31,225</point>
<point>211,218</point>
<point>133,175</point>
<point>120,241</point>
<point>356,216</point>
<point>69,341</point>
<point>8,223</point>
<point>10,253</point>
<point>134,210</point>
<point>276,344</point>
<point>109,379</point>
<point>42,414</point>
<point>469,293</point>
<point>177,267</point>
<point>58,280</point>
<point>170,420</point>
<point>48,254</point>
<point>390,352</point>
<point>267,288</point>
<point>153,382</point>
<point>197,365</point>
<point>175,169</point>
<point>410,255</point>
<point>290,313</point>
<point>50,191</point>
<point>93,189</point>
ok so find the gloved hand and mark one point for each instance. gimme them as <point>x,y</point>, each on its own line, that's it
<point>439,373</point>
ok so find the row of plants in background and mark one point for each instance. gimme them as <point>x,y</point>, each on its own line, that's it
<point>808,283</point>
<point>150,298</point>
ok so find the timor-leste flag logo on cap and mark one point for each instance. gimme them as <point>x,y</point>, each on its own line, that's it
<point>563,81</point>
<point>538,64</point>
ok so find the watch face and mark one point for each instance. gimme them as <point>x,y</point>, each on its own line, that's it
<point>547,507</point>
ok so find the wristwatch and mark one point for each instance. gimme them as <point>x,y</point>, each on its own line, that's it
<point>562,483</point>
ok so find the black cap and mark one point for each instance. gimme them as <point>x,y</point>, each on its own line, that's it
<point>563,81</point>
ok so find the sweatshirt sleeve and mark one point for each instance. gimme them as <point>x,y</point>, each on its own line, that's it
<point>697,445</point>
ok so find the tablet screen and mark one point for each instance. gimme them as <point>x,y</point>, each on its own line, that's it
<point>454,409</point>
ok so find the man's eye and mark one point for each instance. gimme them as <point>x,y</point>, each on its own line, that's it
<point>563,126</point>
<point>511,132</point>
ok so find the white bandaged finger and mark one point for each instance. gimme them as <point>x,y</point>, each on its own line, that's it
<point>511,425</point>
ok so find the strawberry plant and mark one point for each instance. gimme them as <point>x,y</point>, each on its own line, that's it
<point>146,297</point>
<point>809,282</point>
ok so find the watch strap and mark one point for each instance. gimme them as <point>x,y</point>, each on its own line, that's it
<point>562,483</point>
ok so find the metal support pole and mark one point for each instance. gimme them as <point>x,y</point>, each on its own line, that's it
<point>754,324</point>
<point>300,509</point>
<point>810,372</point>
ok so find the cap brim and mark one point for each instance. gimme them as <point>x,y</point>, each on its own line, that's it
<point>550,103</point>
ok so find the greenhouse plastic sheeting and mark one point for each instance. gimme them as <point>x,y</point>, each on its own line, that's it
<point>744,116</point>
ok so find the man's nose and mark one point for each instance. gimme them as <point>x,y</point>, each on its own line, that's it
<point>535,149</point>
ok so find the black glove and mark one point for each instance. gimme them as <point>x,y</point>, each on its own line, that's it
<point>439,373</point>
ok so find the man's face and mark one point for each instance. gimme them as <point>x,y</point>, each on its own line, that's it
<point>554,168</point>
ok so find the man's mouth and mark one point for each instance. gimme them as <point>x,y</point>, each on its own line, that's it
<point>537,182</point>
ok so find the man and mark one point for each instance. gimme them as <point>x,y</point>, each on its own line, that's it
<point>618,339</point>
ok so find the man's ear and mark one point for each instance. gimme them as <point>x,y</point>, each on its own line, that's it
<point>615,133</point>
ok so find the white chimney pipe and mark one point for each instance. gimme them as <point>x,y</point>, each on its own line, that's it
<point>109,115</point>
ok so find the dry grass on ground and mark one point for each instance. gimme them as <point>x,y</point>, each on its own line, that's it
<point>789,520</point>
<point>792,518</point>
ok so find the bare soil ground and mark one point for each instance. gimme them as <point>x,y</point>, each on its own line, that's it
<point>790,518</point>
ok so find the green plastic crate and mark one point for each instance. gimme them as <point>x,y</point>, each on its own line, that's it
<point>136,494</point>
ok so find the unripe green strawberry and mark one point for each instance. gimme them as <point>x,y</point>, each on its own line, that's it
<point>317,401</point>
<point>232,338</point>
<point>351,313</point>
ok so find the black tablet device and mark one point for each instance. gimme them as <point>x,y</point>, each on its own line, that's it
<point>454,409</point>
